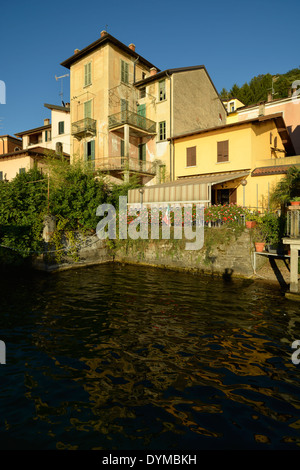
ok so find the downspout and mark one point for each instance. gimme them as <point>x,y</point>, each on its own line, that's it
<point>172,169</point>
<point>134,66</point>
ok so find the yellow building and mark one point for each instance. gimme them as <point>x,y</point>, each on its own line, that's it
<point>124,109</point>
<point>244,160</point>
<point>232,105</point>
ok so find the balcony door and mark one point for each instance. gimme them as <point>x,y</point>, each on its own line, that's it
<point>142,157</point>
<point>89,153</point>
<point>88,109</point>
<point>124,109</point>
<point>141,111</point>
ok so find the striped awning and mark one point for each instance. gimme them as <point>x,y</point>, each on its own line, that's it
<point>190,189</point>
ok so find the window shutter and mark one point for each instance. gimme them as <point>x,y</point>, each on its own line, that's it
<point>223,151</point>
<point>191,156</point>
<point>88,109</point>
<point>124,72</point>
<point>88,74</point>
<point>93,150</point>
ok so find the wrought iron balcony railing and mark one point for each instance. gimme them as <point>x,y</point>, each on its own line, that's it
<point>130,164</point>
<point>84,127</point>
<point>133,119</point>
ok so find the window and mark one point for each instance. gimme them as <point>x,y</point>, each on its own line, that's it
<point>162,90</point>
<point>271,138</point>
<point>88,109</point>
<point>143,92</point>
<point>90,153</point>
<point>275,142</point>
<point>191,156</point>
<point>124,72</point>
<point>88,74</point>
<point>1,175</point>
<point>47,136</point>
<point>232,107</point>
<point>61,127</point>
<point>21,170</point>
<point>162,130</point>
<point>142,156</point>
<point>122,148</point>
<point>223,151</point>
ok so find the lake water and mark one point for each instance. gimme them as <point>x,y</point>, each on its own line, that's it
<point>121,357</point>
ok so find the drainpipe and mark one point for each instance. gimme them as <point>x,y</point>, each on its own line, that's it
<point>172,167</point>
<point>134,66</point>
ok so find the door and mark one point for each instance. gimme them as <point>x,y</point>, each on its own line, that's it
<point>141,119</point>
<point>142,157</point>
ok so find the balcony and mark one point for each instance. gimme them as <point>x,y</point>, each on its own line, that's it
<point>84,128</point>
<point>139,123</point>
<point>133,165</point>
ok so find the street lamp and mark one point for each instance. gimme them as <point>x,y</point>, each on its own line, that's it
<point>141,191</point>
<point>243,183</point>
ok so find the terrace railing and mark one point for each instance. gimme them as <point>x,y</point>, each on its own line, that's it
<point>133,119</point>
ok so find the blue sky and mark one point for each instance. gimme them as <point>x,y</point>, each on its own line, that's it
<point>235,40</point>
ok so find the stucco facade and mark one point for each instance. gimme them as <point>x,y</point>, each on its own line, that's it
<point>257,151</point>
<point>123,109</point>
<point>289,107</point>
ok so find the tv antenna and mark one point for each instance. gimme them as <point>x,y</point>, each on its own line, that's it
<point>61,94</point>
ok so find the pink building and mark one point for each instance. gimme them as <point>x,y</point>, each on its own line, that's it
<point>290,109</point>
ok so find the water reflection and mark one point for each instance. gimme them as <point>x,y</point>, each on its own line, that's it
<point>119,357</point>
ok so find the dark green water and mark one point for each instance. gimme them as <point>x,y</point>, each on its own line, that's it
<point>119,357</point>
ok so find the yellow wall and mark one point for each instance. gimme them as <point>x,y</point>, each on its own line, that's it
<point>249,148</point>
<point>206,153</point>
<point>10,165</point>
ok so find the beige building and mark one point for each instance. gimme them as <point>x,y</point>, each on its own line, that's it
<point>53,135</point>
<point>32,147</point>
<point>124,109</point>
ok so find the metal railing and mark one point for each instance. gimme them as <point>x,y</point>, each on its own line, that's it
<point>130,164</point>
<point>133,119</point>
<point>86,126</point>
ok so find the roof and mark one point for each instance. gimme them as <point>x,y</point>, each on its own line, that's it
<point>35,151</point>
<point>165,73</point>
<point>277,117</point>
<point>106,38</point>
<point>10,137</point>
<point>272,170</point>
<point>66,109</point>
<point>36,129</point>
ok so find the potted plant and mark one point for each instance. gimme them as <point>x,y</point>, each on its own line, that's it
<point>295,201</point>
<point>259,239</point>
<point>251,219</point>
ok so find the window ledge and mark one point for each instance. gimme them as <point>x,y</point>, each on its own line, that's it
<point>191,166</point>
<point>220,163</point>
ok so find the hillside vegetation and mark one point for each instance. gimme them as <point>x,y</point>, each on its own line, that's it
<point>258,88</point>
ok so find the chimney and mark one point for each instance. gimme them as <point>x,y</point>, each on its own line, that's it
<point>46,122</point>
<point>76,51</point>
<point>103,33</point>
<point>270,97</point>
<point>132,47</point>
<point>153,71</point>
<point>289,92</point>
<point>67,105</point>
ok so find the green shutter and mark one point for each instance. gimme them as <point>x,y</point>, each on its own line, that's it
<point>61,127</point>
<point>124,72</point>
<point>88,109</point>
<point>88,74</point>
<point>141,110</point>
